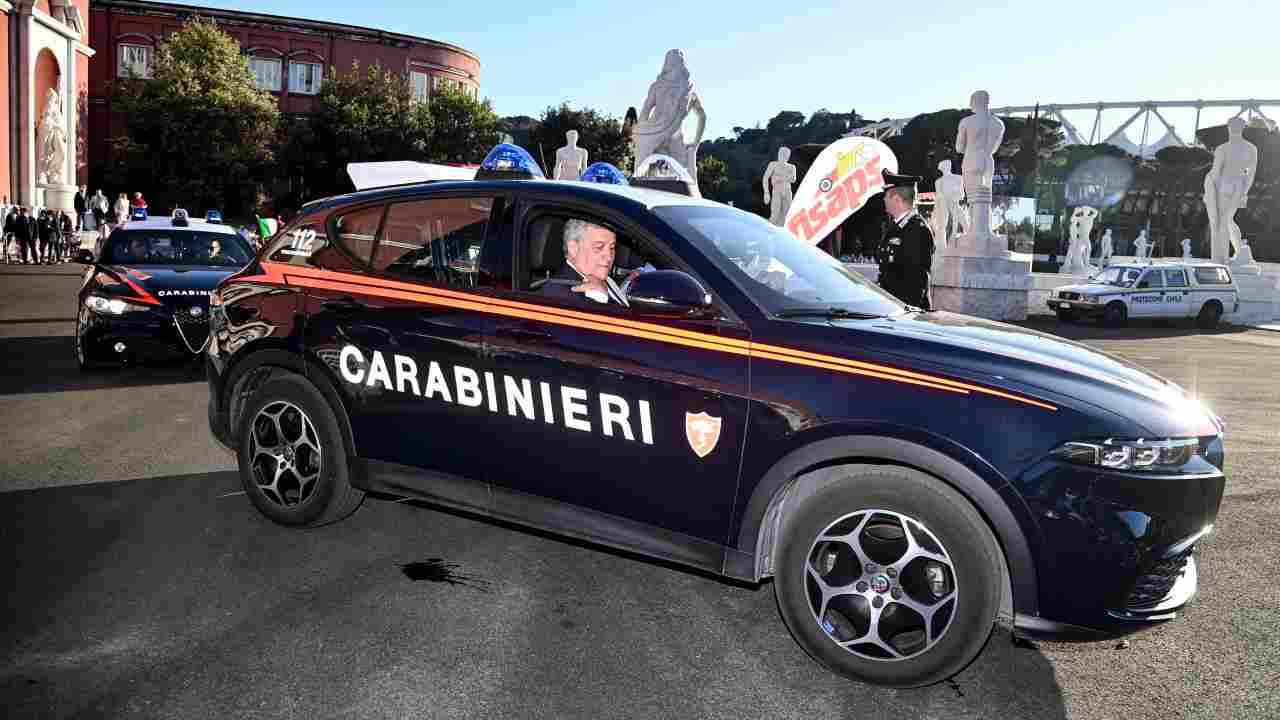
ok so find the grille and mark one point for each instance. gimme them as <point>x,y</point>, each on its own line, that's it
<point>194,329</point>
<point>1153,585</point>
<point>1069,296</point>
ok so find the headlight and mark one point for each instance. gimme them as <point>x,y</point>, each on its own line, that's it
<point>1090,298</point>
<point>1130,454</point>
<point>111,306</point>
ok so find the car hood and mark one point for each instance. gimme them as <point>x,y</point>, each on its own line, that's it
<point>188,285</point>
<point>1092,288</point>
<point>1019,359</point>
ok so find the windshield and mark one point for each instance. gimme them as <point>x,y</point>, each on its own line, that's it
<point>775,269</point>
<point>1118,276</point>
<point>162,246</point>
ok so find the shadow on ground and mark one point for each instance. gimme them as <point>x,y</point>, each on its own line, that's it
<point>48,364</point>
<point>173,597</point>
<point>1133,330</point>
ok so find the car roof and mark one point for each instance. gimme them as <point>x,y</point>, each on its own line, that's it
<point>164,223</point>
<point>1165,263</point>
<point>600,192</point>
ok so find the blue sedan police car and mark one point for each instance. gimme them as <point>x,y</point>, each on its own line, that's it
<point>675,377</point>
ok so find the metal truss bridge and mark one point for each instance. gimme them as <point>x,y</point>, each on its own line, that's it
<point>1145,112</point>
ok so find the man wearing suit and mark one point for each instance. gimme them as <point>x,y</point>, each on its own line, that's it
<point>906,252</point>
<point>81,205</point>
<point>584,276</point>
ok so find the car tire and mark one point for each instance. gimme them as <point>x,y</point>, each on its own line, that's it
<point>1067,316</point>
<point>1116,314</point>
<point>293,463</point>
<point>883,506</point>
<point>83,362</point>
<point>1209,315</point>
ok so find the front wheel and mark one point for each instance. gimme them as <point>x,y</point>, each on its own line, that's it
<point>1067,316</point>
<point>887,575</point>
<point>1116,314</point>
<point>293,464</point>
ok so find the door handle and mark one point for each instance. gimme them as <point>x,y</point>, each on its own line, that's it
<point>525,335</point>
<point>343,304</point>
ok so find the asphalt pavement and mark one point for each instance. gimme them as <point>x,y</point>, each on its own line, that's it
<point>140,582</point>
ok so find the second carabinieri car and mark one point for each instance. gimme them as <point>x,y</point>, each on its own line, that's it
<point>146,297</point>
<point>673,376</point>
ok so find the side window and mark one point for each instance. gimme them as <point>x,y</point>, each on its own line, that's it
<point>436,240</point>
<point>1175,278</point>
<point>357,230</point>
<point>297,245</point>
<point>1154,279</point>
<point>550,260</point>
<point>1212,276</point>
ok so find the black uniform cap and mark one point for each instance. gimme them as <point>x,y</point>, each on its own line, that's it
<point>892,180</point>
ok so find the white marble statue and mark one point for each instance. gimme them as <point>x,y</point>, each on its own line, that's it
<point>778,178</point>
<point>1226,187</point>
<point>1079,248</point>
<point>1107,250</point>
<point>571,160</point>
<point>53,141</point>
<point>1186,249</point>
<point>670,100</point>
<point>1142,246</point>
<point>978,139</point>
<point>948,219</point>
<point>1244,255</point>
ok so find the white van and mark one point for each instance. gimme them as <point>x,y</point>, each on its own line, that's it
<point>1201,290</point>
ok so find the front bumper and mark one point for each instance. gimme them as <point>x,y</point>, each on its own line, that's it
<point>1079,307</point>
<point>1116,550</point>
<point>155,335</point>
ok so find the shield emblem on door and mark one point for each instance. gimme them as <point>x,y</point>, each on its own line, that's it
<point>702,431</point>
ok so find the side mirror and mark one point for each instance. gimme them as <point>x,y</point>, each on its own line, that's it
<point>669,293</point>
<point>82,256</point>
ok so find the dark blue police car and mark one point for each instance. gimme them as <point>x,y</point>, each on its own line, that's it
<point>739,402</point>
<point>146,296</point>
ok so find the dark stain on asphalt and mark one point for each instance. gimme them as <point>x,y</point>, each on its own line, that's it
<point>438,570</point>
<point>951,683</point>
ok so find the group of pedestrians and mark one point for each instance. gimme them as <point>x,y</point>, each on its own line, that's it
<point>38,236</point>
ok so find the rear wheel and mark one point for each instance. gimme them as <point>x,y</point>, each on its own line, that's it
<point>1209,315</point>
<point>293,464</point>
<point>887,576</point>
<point>1116,314</point>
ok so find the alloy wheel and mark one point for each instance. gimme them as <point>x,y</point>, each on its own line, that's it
<point>284,451</point>
<point>881,585</point>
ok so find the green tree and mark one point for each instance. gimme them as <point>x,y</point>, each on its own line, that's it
<point>600,135</point>
<point>362,115</point>
<point>463,129</point>
<point>712,175</point>
<point>197,133</point>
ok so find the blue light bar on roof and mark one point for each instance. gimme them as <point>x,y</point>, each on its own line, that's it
<point>213,216</point>
<point>509,162</point>
<point>138,213</point>
<point>603,172</point>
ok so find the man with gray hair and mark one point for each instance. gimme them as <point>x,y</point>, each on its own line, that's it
<point>588,258</point>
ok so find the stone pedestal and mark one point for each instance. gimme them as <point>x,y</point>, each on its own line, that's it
<point>994,286</point>
<point>1257,296</point>
<point>57,196</point>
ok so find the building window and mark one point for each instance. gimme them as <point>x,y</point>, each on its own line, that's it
<point>135,61</point>
<point>266,73</point>
<point>304,78</point>
<point>420,86</point>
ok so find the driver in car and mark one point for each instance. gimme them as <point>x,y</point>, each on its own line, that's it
<point>584,276</point>
<point>138,250</point>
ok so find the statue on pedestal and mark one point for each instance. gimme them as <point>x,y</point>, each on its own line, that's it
<point>778,179</point>
<point>1186,249</point>
<point>53,141</point>
<point>1226,187</point>
<point>948,219</point>
<point>670,100</point>
<point>1108,248</point>
<point>571,160</point>
<point>1142,246</point>
<point>978,139</point>
<point>1079,248</point>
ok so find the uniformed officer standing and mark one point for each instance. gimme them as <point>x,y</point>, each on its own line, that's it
<point>906,252</point>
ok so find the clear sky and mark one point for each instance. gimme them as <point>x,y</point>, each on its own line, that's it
<point>751,59</point>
